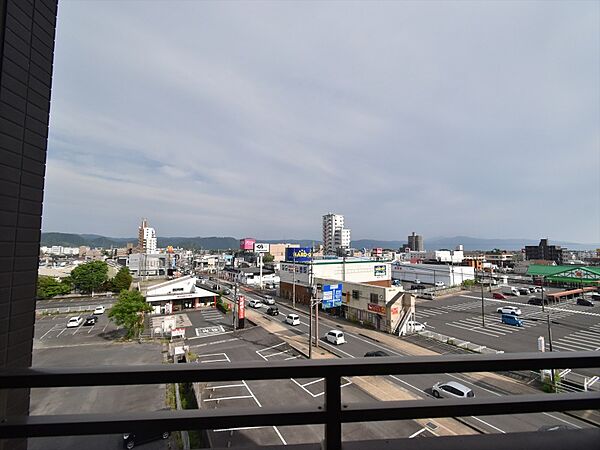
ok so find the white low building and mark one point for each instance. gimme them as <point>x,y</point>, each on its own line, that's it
<point>178,295</point>
<point>432,273</point>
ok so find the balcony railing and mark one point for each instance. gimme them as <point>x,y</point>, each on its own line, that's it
<point>333,414</point>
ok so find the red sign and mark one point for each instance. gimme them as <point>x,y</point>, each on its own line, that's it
<point>376,308</point>
<point>241,306</point>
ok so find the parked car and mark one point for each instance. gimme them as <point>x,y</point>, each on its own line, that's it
<point>584,302</point>
<point>535,289</point>
<point>90,320</point>
<point>293,319</point>
<point>255,303</point>
<point>74,322</point>
<point>226,291</point>
<point>99,310</point>
<point>524,291</point>
<point>595,297</point>
<point>336,337</point>
<point>130,440</point>
<point>268,300</point>
<point>427,295</point>
<point>273,311</point>
<point>510,319</point>
<point>415,327</point>
<point>439,284</point>
<point>537,301</point>
<point>416,287</point>
<point>513,310</point>
<point>451,389</point>
<point>499,296</point>
<point>375,354</point>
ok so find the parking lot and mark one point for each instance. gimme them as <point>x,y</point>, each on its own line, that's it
<point>574,327</point>
<point>51,330</point>
<point>255,344</point>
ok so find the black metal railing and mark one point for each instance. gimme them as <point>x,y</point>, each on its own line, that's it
<point>333,414</point>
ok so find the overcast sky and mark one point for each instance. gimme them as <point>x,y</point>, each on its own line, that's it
<point>256,118</point>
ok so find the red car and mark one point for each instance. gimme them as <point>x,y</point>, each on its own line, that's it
<point>499,296</point>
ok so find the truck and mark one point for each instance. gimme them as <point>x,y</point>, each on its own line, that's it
<point>509,290</point>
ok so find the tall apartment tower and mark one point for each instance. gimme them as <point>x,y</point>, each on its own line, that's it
<point>335,236</point>
<point>146,238</point>
<point>415,242</point>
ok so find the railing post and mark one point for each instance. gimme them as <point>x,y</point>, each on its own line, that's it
<point>333,407</point>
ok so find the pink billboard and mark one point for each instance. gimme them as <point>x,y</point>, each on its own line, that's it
<point>247,244</point>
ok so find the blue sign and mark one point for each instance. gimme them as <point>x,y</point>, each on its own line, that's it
<point>332,295</point>
<point>301,254</point>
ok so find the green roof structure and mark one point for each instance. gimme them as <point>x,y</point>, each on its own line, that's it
<point>567,274</point>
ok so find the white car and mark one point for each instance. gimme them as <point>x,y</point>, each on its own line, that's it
<point>74,322</point>
<point>293,319</point>
<point>451,389</point>
<point>268,300</point>
<point>255,303</point>
<point>439,284</point>
<point>336,337</point>
<point>513,310</point>
<point>415,327</point>
<point>99,310</point>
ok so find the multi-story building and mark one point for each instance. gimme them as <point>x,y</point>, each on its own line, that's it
<point>336,238</point>
<point>415,242</point>
<point>545,252</point>
<point>146,238</point>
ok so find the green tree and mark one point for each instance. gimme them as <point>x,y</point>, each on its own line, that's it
<point>90,276</point>
<point>122,280</point>
<point>48,287</point>
<point>268,258</point>
<point>129,311</point>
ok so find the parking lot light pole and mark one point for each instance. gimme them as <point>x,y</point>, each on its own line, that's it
<point>543,309</point>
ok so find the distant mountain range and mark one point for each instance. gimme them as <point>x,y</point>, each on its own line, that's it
<point>223,243</point>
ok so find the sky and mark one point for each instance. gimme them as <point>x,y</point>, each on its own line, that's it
<point>256,118</point>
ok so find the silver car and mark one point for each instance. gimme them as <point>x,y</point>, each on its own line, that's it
<point>451,389</point>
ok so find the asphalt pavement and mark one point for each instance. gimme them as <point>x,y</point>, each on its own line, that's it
<point>484,385</point>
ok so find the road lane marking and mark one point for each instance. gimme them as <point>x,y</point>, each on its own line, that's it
<point>562,420</point>
<point>489,425</point>
<point>417,433</point>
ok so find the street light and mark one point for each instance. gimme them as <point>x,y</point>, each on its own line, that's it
<point>482,308</point>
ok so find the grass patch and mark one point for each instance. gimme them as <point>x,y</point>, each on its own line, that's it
<point>188,401</point>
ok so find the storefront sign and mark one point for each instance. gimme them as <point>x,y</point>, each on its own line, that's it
<point>332,295</point>
<point>241,307</point>
<point>178,332</point>
<point>380,271</point>
<point>376,308</point>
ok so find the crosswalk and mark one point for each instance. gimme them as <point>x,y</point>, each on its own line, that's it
<point>493,326</point>
<point>582,340</point>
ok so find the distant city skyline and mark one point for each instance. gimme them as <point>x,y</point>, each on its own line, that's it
<point>444,118</point>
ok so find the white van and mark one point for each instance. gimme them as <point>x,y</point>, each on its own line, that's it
<point>508,290</point>
<point>336,337</point>
<point>293,319</point>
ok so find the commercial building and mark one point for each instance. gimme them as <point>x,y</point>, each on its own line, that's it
<point>278,251</point>
<point>336,238</point>
<point>415,242</point>
<point>446,256</point>
<point>450,275</point>
<point>545,251</point>
<point>569,274</point>
<point>250,275</point>
<point>178,295</point>
<point>146,265</point>
<point>146,238</point>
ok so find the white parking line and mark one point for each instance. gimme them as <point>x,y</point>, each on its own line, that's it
<point>51,329</point>
<point>272,346</point>
<point>236,429</point>
<point>417,433</point>
<point>227,398</point>
<point>313,382</point>
<point>225,386</point>
<point>77,329</point>
<point>104,329</point>
<point>252,394</point>
<point>64,329</point>
<point>90,330</point>
<point>275,354</point>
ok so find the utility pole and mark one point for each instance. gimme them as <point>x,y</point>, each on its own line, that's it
<point>294,281</point>
<point>235,305</point>
<point>543,309</point>
<point>310,305</point>
<point>550,346</point>
<point>482,308</point>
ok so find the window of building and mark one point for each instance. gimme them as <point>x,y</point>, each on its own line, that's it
<point>374,298</point>
<point>356,294</point>
<point>177,289</point>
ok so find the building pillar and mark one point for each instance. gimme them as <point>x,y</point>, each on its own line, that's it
<point>26,58</point>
